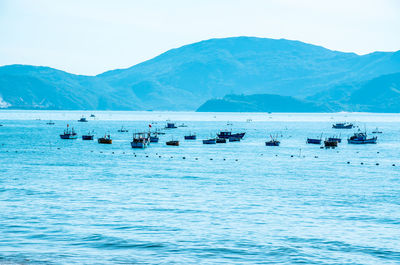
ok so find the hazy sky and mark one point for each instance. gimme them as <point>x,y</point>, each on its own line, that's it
<point>92,36</point>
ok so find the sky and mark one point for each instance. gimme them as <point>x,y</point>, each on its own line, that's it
<point>92,36</point>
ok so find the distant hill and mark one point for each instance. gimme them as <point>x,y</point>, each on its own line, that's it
<point>186,77</point>
<point>260,103</point>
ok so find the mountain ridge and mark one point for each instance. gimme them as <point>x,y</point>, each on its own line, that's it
<point>183,78</point>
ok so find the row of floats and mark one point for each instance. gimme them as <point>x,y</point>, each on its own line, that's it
<point>143,140</point>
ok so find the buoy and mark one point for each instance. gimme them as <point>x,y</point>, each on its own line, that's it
<point>196,158</point>
<point>393,165</point>
<point>291,156</point>
<point>211,159</point>
<point>147,156</point>
<point>315,156</point>
<point>183,157</point>
<point>224,159</point>
<point>159,156</point>
<point>362,163</point>
<point>377,152</point>
<point>377,164</point>
<point>236,160</point>
<point>112,152</point>
<point>348,162</point>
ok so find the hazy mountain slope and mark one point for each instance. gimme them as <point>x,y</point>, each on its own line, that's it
<point>186,77</point>
<point>260,103</point>
<point>380,94</point>
<point>216,67</point>
<point>24,86</point>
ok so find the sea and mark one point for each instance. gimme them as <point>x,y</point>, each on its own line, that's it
<point>80,202</point>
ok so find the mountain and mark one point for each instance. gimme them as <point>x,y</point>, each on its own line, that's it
<point>186,77</point>
<point>33,87</point>
<point>260,103</point>
<point>380,94</point>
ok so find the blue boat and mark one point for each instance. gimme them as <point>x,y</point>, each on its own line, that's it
<point>170,125</point>
<point>361,138</point>
<point>69,134</point>
<point>88,136</point>
<point>342,125</point>
<point>273,141</point>
<point>228,134</point>
<point>83,119</point>
<point>123,129</point>
<point>209,141</point>
<point>190,137</point>
<point>154,138</point>
<point>314,141</point>
<point>140,140</point>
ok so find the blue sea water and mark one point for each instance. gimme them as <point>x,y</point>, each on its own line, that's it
<point>79,202</point>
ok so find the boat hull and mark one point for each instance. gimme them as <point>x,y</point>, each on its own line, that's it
<point>154,139</point>
<point>220,140</point>
<point>190,137</point>
<point>229,135</point>
<point>172,143</point>
<point>139,145</point>
<point>209,141</point>
<point>330,144</point>
<point>348,126</point>
<point>366,141</point>
<point>314,141</point>
<point>272,143</point>
<point>68,136</point>
<point>87,137</point>
<point>104,141</point>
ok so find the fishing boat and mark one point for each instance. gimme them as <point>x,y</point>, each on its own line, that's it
<point>154,138</point>
<point>183,125</point>
<point>314,141</point>
<point>342,125</point>
<point>123,129</point>
<point>330,144</point>
<point>83,119</point>
<point>50,122</point>
<point>361,138</point>
<point>92,116</point>
<point>273,141</point>
<point>69,134</point>
<point>140,140</point>
<point>234,139</point>
<point>170,125</point>
<point>105,140</point>
<point>209,141</point>
<point>229,134</point>
<point>88,136</point>
<point>190,137</point>
<point>172,142</point>
<point>220,140</point>
<point>376,130</point>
